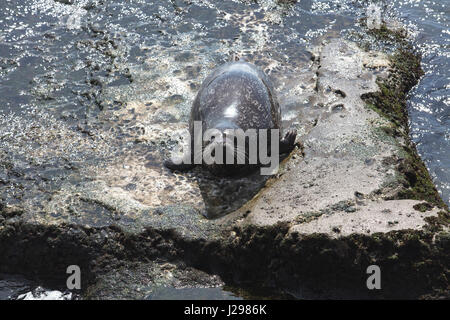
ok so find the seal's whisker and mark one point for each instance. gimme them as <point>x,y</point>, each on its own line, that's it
<point>241,155</point>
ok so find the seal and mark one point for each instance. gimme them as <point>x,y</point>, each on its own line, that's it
<point>236,95</point>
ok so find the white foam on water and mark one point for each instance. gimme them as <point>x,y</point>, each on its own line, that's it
<point>43,294</point>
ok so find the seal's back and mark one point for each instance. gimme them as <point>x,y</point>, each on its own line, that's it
<point>237,95</point>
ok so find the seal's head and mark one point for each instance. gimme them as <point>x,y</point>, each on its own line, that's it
<point>223,153</point>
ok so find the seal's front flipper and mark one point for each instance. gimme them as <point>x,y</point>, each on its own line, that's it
<point>287,144</point>
<point>177,164</point>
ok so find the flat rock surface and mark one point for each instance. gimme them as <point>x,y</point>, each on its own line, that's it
<point>343,170</point>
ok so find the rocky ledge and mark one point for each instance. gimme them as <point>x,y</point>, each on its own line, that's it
<point>356,194</point>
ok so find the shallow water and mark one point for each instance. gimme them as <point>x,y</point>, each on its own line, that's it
<point>429,103</point>
<point>75,69</point>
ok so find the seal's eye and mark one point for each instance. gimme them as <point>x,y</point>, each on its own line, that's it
<point>210,141</point>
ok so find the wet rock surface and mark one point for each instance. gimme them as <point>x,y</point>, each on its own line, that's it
<point>90,189</point>
<point>327,203</point>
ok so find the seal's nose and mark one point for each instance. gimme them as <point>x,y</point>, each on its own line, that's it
<point>226,148</point>
<point>224,125</point>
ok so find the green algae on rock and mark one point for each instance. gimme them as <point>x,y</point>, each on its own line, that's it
<point>390,101</point>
